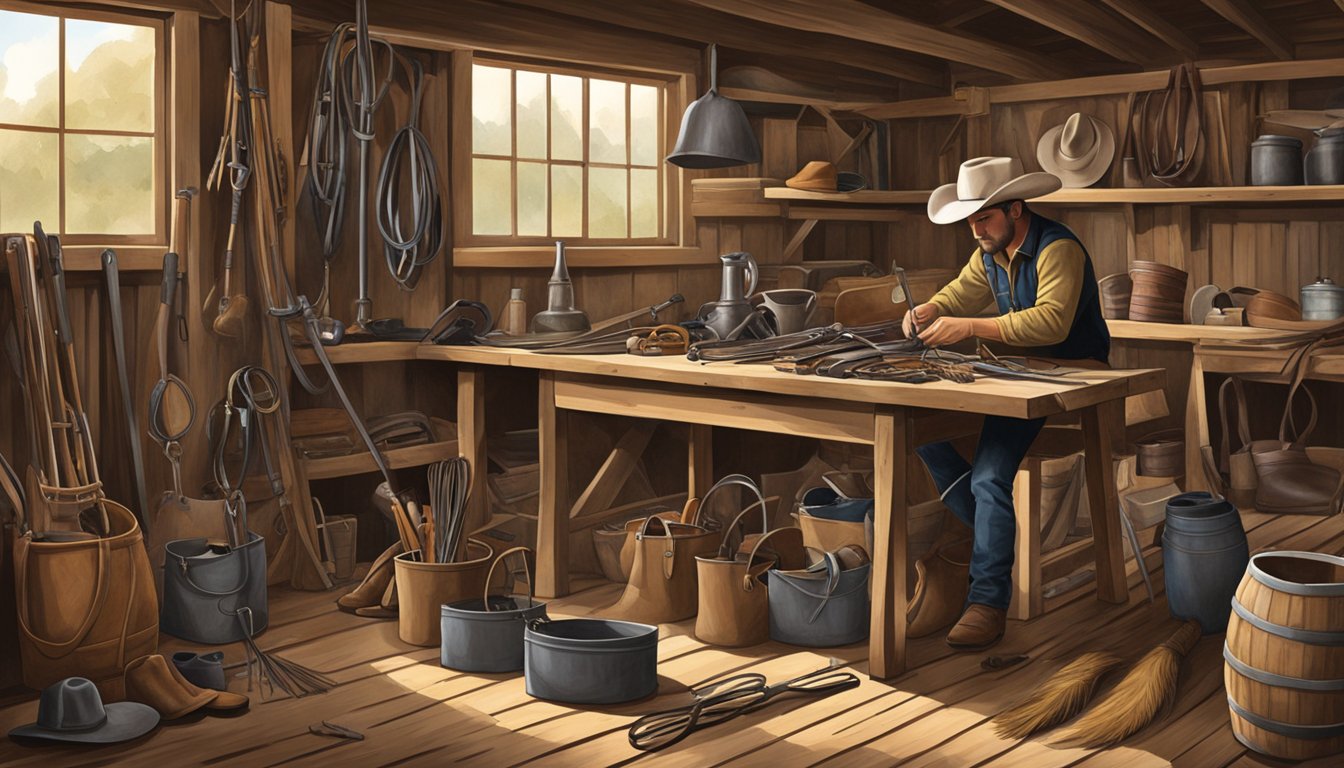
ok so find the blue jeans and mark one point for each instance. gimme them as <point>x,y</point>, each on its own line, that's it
<point>981,496</point>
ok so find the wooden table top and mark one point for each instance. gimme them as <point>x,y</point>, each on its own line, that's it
<point>1008,397</point>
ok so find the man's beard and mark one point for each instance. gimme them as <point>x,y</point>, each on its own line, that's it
<point>994,247</point>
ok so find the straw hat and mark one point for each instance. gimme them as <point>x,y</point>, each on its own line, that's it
<point>1079,151</point>
<point>821,176</point>
<point>984,181</point>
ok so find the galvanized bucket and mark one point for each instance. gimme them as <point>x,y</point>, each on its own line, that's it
<point>1204,554</point>
<point>820,608</point>
<point>486,635</point>
<point>590,661</point>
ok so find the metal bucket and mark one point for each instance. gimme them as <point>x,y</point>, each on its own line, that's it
<point>1204,554</point>
<point>822,608</point>
<point>590,661</point>
<point>486,635</point>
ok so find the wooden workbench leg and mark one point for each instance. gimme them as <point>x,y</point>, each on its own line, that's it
<point>891,449</point>
<point>553,506</point>
<point>1103,429</point>
<point>471,440</point>
<point>1027,600</point>
<point>1196,426</point>
<point>700,459</point>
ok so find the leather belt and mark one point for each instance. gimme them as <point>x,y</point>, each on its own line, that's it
<point>112,278</point>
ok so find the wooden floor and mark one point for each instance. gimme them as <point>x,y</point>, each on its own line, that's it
<point>413,712</point>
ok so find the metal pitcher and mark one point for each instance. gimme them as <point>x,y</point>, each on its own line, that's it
<point>732,309</point>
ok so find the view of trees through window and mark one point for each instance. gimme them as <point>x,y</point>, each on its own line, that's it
<point>564,156</point>
<point>89,156</point>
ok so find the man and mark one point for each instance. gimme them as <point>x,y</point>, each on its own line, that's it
<point>1039,278</point>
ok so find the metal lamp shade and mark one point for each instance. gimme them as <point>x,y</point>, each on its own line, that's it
<point>715,133</point>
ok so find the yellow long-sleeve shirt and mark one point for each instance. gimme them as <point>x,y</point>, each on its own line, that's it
<point>1059,274</point>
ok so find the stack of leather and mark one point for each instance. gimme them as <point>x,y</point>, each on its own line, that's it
<point>1159,293</point>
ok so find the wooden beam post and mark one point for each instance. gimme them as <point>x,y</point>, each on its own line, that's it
<point>613,473</point>
<point>1253,23</point>
<point>471,440</point>
<point>1103,432</point>
<point>886,631</point>
<point>553,505</point>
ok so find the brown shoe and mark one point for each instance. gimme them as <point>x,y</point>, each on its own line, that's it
<point>940,588</point>
<point>152,680</point>
<point>370,590</point>
<point>981,626</point>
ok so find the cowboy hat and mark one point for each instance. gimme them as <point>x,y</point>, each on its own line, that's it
<point>984,181</point>
<point>821,176</point>
<point>1079,151</point>
<point>1329,116</point>
<point>72,710</point>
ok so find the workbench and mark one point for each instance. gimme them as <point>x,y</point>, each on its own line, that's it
<point>891,417</point>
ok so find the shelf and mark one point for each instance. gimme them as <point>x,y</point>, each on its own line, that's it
<point>862,197</point>
<point>1136,330</point>
<point>1176,195</point>
<point>362,352</point>
<point>397,458</point>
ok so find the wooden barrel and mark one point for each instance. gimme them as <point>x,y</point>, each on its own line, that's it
<point>1284,655</point>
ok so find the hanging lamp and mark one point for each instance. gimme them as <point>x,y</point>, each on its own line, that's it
<point>715,132</point>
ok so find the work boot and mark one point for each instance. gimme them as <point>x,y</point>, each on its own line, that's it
<point>981,626</point>
<point>370,590</point>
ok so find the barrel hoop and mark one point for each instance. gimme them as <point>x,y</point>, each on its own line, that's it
<point>1167,544</point>
<point>1332,639</point>
<point>1279,681</point>
<point>1291,730</point>
<point>1297,588</point>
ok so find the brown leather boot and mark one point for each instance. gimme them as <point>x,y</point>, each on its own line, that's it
<point>981,626</point>
<point>370,590</point>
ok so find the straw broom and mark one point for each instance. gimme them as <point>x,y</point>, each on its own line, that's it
<point>1136,700</point>
<point>1059,698</point>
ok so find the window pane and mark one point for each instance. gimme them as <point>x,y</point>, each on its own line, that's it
<point>566,117</point>
<point>566,201</point>
<point>643,125</point>
<point>532,198</point>
<point>109,76</point>
<point>29,179</point>
<point>109,185</point>
<point>491,110</point>
<point>29,87</point>
<point>531,87</point>
<point>606,121</point>
<point>643,202</point>
<point>491,197</point>
<point>606,202</point>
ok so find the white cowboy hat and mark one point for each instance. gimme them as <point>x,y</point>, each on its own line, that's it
<point>1079,151</point>
<point>984,181</point>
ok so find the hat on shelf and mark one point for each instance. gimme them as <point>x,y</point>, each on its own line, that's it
<point>1331,115</point>
<point>72,710</point>
<point>1079,151</point>
<point>984,181</point>
<point>821,176</point>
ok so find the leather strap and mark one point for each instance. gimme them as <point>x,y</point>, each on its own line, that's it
<point>112,279</point>
<point>726,549</point>
<point>1166,132</point>
<point>55,649</point>
<point>527,571</point>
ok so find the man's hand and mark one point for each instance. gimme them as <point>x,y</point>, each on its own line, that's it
<point>947,330</point>
<point>924,316</point>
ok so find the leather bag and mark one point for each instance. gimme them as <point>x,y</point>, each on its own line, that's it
<point>86,603</point>
<point>1287,481</point>
<point>214,592</point>
<point>663,584</point>
<point>1238,465</point>
<point>829,520</point>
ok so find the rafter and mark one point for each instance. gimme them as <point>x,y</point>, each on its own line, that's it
<point>859,21</point>
<point>1090,25</point>
<point>707,26</point>
<point>1157,26</point>
<point>1245,15</point>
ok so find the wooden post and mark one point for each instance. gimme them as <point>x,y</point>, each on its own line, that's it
<point>553,506</point>
<point>886,633</point>
<point>1027,601</point>
<point>700,460</point>
<point>1103,431</point>
<point>1196,425</point>
<point>471,439</point>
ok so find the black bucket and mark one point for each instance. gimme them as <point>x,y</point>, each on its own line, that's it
<point>1204,554</point>
<point>590,661</point>
<point>486,634</point>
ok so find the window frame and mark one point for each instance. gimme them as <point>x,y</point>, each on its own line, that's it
<point>672,208</point>
<point>159,23</point>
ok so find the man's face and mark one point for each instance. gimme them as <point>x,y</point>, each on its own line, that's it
<point>993,230</point>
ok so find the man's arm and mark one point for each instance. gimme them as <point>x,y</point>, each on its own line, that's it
<point>1059,276</point>
<point>968,294</point>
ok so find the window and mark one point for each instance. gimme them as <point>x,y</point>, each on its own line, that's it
<point>81,125</point>
<point>559,154</point>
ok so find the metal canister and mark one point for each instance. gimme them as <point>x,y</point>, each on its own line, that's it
<point>1325,162</point>
<point>1276,161</point>
<point>1322,300</point>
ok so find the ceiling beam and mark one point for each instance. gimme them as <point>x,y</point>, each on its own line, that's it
<point>859,21</point>
<point>1090,25</point>
<point>1244,15</point>
<point>707,26</point>
<point>1157,26</point>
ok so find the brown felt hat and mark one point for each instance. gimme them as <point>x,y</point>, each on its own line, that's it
<point>821,176</point>
<point>152,680</point>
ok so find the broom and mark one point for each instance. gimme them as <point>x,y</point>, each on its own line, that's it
<point>1135,701</point>
<point>1059,698</point>
<point>274,672</point>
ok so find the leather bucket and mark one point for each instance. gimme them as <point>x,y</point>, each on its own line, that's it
<point>1161,454</point>
<point>86,605</point>
<point>663,583</point>
<point>1284,656</point>
<point>1158,293</point>
<point>424,588</point>
<point>1115,293</point>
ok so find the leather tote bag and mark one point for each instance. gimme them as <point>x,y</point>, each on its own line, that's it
<point>662,584</point>
<point>1287,481</point>
<point>86,602</point>
<point>733,602</point>
<point>1238,465</point>
<point>215,593</point>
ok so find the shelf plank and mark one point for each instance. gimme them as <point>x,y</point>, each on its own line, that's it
<point>362,352</point>
<point>1123,195</point>
<point>1136,330</point>
<point>397,458</point>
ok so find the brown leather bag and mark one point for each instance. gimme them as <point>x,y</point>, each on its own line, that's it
<point>662,584</point>
<point>1287,481</point>
<point>1238,466</point>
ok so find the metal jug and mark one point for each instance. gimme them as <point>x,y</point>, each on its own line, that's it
<point>732,309</point>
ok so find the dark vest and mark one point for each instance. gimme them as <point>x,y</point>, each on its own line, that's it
<point>1088,336</point>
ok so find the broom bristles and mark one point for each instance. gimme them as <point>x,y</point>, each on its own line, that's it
<point>1060,697</point>
<point>1137,699</point>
